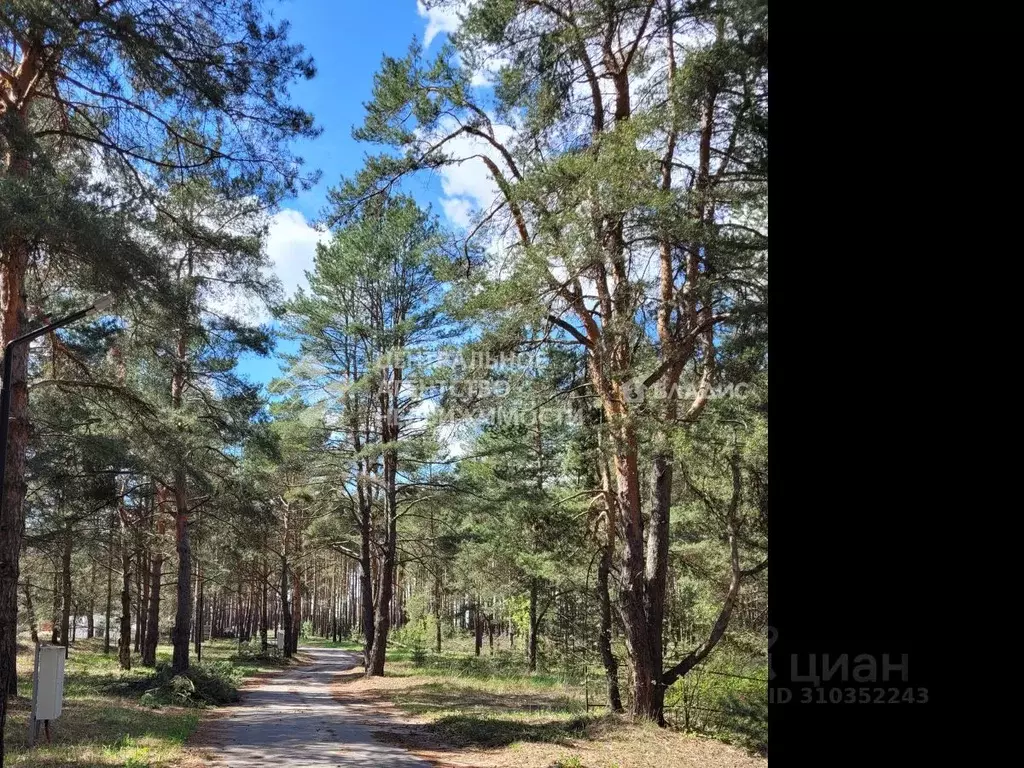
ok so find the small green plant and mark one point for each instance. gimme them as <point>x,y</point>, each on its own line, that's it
<point>124,742</point>
<point>419,655</point>
<point>572,761</point>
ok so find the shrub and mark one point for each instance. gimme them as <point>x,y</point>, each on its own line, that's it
<point>747,717</point>
<point>729,702</point>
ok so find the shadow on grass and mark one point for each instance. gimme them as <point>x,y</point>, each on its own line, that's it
<point>467,715</point>
<point>503,665</point>
<point>491,732</point>
<point>431,697</point>
<point>94,731</point>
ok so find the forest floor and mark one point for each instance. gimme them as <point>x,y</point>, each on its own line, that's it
<point>483,712</point>
<point>449,710</point>
<point>104,721</point>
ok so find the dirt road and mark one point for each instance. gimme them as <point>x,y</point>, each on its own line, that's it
<point>291,721</point>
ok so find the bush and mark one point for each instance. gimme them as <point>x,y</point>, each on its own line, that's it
<point>747,717</point>
<point>253,650</point>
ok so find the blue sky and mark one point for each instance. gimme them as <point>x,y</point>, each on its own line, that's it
<point>346,40</point>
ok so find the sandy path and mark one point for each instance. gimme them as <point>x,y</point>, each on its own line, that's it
<point>291,720</point>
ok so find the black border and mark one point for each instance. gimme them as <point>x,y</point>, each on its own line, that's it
<point>857,536</point>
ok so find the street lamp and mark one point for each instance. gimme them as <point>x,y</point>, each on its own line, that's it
<point>5,396</point>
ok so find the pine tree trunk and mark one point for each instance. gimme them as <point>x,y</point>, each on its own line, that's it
<point>30,610</point>
<point>142,585</point>
<point>200,612</point>
<point>124,645</point>
<point>657,571</point>
<point>386,572</point>
<point>532,647</point>
<point>153,619</point>
<point>55,608</point>
<point>14,249</point>
<point>604,638</point>
<point>632,605</point>
<point>65,616</point>
<point>365,575</point>
<point>91,622</point>
<point>293,638</point>
<point>437,613</point>
<point>286,614</point>
<point>183,613</point>
<point>183,610</point>
<point>264,623</point>
<point>334,607</point>
<point>110,589</point>
<point>478,628</point>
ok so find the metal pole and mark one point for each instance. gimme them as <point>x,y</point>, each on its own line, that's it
<point>33,724</point>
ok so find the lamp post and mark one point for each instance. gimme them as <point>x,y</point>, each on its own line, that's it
<point>5,396</point>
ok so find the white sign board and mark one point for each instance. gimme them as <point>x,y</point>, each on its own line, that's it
<point>48,695</point>
<point>280,641</point>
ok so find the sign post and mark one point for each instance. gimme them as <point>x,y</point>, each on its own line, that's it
<point>47,690</point>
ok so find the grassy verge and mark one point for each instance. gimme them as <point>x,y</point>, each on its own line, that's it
<point>323,642</point>
<point>490,711</point>
<point>133,719</point>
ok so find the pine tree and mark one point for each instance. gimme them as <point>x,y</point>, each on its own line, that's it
<point>375,304</point>
<point>663,179</point>
<point>120,87</point>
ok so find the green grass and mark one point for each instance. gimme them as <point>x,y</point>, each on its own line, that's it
<point>493,710</point>
<point>323,642</point>
<point>486,701</point>
<point>104,720</point>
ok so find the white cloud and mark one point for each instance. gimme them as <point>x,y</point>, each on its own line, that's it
<point>458,210</point>
<point>291,246</point>
<point>467,186</point>
<point>438,20</point>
